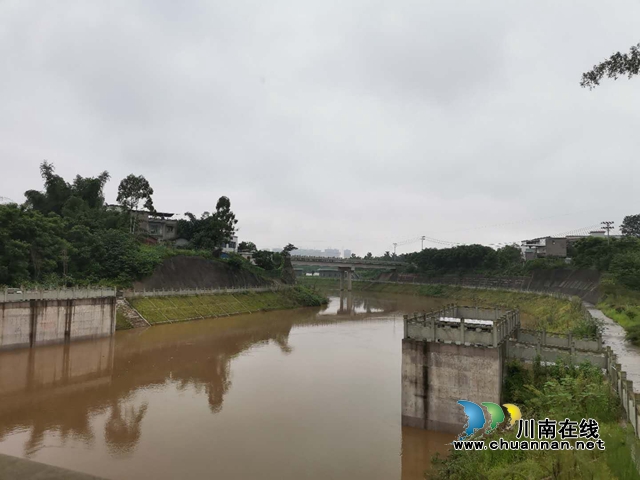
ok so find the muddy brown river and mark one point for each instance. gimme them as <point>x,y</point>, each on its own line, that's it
<point>310,393</point>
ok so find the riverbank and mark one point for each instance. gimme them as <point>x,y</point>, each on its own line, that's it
<point>556,315</point>
<point>171,309</point>
<point>623,306</point>
<point>555,392</point>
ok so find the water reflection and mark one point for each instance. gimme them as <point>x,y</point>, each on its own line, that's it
<point>122,431</point>
<point>98,397</point>
<point>348,304</point>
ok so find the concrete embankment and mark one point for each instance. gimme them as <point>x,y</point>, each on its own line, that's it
<point>197,272</point>
<point>580,283</point>
<point>182,305</point>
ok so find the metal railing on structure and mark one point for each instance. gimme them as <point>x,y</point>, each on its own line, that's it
<point>11,295</point>
<point>183,292</point>
<point>475,326</point>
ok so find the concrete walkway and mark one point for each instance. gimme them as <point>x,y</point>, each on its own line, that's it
<point>15,468</point>
<point>613,335</point>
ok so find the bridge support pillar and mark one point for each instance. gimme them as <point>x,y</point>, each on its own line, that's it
<point>345,278</point>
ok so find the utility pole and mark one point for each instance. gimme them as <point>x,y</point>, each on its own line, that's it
<point>422,244</point>
<point>394,249</point>
<point>607,226</point>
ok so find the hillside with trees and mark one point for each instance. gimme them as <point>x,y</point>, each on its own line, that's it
<point>65,234</point>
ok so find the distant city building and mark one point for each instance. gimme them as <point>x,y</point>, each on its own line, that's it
<point>347,253</point>
<point>332,252</point>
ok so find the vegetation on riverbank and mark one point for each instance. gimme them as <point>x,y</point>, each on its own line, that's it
<point>557,392</point>
<point>622,305</point>
<point>556,315</point>
<point>66,235</point>
<point>181,308</point>
<point>121,320</point>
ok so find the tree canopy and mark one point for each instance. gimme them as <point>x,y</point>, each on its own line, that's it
<point>617,65</point>
<point>209,232</point>
<point>631,226</point>
<point>132,190</point>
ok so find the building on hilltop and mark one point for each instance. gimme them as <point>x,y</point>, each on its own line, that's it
<point>546,247</point>
<point>231,246</point>
<point>160,226</point>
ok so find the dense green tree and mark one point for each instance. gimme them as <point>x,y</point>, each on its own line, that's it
<point>631,226</point>
<point>209,232</point>
<point>31,244</point>
<point>247,247</point>
<point>267,260</point>
<point>617,65</point>
<point>225,219</point>
<point>133,190</point>
<point>63,198</point>
<point>625,268</point>
<point>368,256</point>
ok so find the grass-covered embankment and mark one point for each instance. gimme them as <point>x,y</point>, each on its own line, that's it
<point>556,315</point>
<point>181,308</point>
<point>622,305</point>
<point>555,392</point>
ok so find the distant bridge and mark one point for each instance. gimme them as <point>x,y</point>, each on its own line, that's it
<point>353,263</point>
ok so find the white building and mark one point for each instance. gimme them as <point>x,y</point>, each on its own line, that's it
<point>232,246</point>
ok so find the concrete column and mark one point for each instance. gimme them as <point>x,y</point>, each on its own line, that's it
<point>341,280</point>
<point>349,280</point>
<point>494,331</point>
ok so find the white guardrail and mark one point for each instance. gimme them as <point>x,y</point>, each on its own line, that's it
<point>181,292</point>
<point>18,295</point>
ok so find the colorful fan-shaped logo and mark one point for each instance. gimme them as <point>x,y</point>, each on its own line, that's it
<point>476,419</point>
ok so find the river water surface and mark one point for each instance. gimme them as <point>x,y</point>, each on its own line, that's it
<point>311,393</point>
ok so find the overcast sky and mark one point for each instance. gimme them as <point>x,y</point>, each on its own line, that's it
<point>350,124</point>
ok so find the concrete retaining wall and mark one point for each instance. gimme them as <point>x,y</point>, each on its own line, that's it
<point>40,322</point>
<point>581,283</point>
<point>436,375</point>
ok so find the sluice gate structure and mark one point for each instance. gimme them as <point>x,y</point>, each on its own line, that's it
<point>460,353</point>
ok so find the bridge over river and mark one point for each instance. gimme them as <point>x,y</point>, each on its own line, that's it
<point>346,266</point>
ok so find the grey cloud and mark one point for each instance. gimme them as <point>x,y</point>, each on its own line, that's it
<point>354,124</point>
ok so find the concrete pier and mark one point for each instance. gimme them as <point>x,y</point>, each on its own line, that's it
<point>456,353</point>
